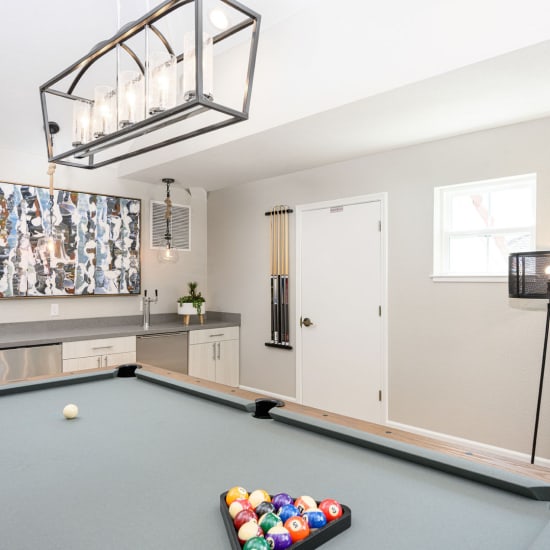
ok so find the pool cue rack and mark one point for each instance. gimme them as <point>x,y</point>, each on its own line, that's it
<point>278,237</point>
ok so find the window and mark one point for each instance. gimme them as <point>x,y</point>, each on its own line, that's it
<point>477,225</point>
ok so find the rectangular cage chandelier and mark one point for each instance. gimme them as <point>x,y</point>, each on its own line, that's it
<point>183,69</point>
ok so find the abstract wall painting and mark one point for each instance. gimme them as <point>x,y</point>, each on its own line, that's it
<point>95,248</point>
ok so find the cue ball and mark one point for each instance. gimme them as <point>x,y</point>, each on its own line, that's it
<point>70,411</point>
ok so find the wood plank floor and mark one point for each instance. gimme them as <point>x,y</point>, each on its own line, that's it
<point>469,452</point>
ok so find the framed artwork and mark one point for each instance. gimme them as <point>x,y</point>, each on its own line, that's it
<point>85,245</point>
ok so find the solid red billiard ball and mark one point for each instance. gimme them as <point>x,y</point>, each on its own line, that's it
<point>297,527</point>
<point>243,516</point>
<point>331,508</point>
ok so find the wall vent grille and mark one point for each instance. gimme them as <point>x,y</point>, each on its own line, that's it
<point>181,225</point>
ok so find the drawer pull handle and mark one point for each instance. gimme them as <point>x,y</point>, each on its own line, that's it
<point>102,347</point>
<point>216,335</point>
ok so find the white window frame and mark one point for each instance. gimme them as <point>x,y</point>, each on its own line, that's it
<point>442,233</point>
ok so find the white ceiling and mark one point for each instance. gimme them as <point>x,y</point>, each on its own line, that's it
<point>334,80</point>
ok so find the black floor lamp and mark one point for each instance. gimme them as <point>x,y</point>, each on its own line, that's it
<point>529,277</point>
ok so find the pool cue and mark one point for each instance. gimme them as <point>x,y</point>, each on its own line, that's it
<point>271,267</point>
<point>282,325</point>
<point>274,289</point>
<point>286,337</point>
<point>279,289</point>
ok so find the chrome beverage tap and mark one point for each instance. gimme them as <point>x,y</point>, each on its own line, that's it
<point>147,308</point>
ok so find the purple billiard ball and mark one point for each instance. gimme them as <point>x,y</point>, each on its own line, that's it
<point>280,499</point>
<point>315,518</point>
<point>278,538</point>
<point>287,511</point>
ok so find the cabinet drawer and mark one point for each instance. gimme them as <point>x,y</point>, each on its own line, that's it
<point>103,346</point>
<point>213,335</point>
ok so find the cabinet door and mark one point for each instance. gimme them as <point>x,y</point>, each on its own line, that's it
<point>115,359</point>
<point>227,362</point>
<point>82,363</point>
<point>202,360</point>
<point>103,346</point>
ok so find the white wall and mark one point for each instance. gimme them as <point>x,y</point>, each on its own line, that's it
<point>170,280</point>
<point>463,358</point>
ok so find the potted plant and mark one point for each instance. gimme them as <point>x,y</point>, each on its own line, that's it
<point>191,304</point>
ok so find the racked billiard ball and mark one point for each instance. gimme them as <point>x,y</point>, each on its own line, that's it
<point>304,503</point>
<point>287,511</point>
<point>269,520</point>
<point>238,506</point>
<point>256,543</point>
<point>264,508</point>
<point>243,516</point>
<point>248,530</point>
<point>278,538</point>
<point>331,508</point>
<point>315,518</point>
<point>234,493</point>
<point>280,499</point>
<point>298,528</point>
<point>257,496</point>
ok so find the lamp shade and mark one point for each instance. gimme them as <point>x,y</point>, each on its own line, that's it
<point>528,274</point>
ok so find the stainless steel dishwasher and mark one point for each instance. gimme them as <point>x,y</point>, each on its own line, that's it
<point>26,362</point>
<point>166,350</point>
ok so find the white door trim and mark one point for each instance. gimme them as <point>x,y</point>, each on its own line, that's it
<point>382,198</point>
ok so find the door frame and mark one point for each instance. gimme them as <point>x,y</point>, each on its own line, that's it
<point>382,198</point>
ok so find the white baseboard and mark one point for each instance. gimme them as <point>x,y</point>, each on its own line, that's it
<point>269,394</point>
<point>516,455</point>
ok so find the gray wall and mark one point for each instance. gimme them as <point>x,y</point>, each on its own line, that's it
<point>463,358</point>
<point>170,280</point>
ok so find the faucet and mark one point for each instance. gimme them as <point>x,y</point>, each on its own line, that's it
<point>147,308</point>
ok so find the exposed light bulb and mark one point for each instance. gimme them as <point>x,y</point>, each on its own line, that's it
<point>219,19</point>
<point>168,255</point>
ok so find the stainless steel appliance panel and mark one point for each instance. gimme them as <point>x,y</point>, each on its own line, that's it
<point>164,350</point>
<point>22,363</point>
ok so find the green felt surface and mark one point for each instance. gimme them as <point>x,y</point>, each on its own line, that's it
<point>143,467</point>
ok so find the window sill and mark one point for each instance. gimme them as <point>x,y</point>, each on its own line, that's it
<point>469,278</point>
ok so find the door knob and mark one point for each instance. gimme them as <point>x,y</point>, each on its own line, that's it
<point>306,322</point>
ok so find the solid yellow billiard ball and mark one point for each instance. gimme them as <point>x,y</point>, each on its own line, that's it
<point>70,411</point>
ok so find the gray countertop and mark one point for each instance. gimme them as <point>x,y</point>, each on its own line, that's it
<point>54,332</point>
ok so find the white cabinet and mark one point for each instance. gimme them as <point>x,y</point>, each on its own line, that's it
<point>214,355</point>
<point>92,354</point>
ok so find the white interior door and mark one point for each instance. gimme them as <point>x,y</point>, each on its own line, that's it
<point>340,278</point>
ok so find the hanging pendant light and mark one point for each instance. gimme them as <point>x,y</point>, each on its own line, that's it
<point>151,85</point>
<point>168,254</point>
<point>51,246</point>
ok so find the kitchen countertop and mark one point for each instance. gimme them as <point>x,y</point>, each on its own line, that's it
<point>54,332</point>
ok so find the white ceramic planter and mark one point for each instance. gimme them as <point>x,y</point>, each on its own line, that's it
<point>186,309</point>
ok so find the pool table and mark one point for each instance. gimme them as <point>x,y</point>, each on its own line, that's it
<point>143,465</point>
